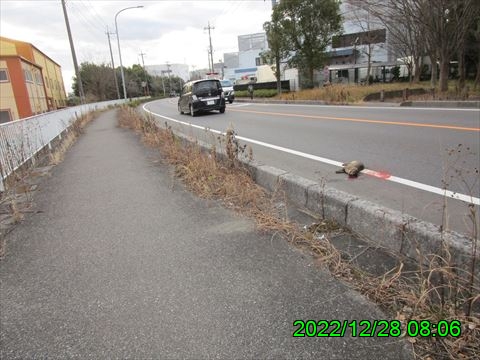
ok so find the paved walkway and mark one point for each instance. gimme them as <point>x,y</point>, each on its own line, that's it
<point>119,265</point>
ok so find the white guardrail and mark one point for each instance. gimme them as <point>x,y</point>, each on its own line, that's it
<point>20,140</point>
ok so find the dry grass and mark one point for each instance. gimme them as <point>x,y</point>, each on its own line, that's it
<point>58,154</point>
<point>436,291</point>
<point>346,94</point>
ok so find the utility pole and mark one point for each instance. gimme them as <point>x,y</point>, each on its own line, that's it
<point>113,65</point>
<point>163,82</point>
<point>145,73</point>
<point>72,48</point>
<point>211,48</point>
<point>169,79</point>
<point>223,68</point>
<point>208,58</point>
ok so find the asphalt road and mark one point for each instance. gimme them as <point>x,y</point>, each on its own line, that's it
<point>395,142</point>
<point>121,262</point>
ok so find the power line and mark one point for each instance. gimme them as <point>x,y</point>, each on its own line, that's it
<point>88,27</point>
<point>92,15</point>
<point>104,23</point>
<point>80,17</point>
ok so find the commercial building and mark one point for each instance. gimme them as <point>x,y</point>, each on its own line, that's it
<point>364,40</point>
<point>31,83</point>
<point>244,63</point>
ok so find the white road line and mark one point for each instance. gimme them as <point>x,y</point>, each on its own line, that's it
<point>410,183</point>
<point>239,105</point>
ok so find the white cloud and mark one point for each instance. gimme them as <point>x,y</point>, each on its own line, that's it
<point>164,30</point>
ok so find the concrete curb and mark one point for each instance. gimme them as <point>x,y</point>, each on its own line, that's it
<point>443,104</point>
<point>428,104</point>
<point>271,101</point>
<point>386,228</point>
<point>397,232</point>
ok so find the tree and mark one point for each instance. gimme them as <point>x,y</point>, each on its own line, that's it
<point>308,26</point>
<point>134,79</point>
<point>468,43</point>
<point>445,25</point>
<point>98,82</point>
<point>163,85</point>
<point>278,45</point>
<point>474,52</point>
<point>404,32</point>
<point>363,16</point>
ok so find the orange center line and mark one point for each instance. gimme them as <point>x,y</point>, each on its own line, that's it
<point>401,123</point>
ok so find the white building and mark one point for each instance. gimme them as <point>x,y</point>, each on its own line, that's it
<point>363,36</point>
<point>180,70</point>
<point>244,63</point>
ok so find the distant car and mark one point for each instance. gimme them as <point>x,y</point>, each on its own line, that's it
<point>227,86</point>
<point>201,95</point>
<point>173,93</point>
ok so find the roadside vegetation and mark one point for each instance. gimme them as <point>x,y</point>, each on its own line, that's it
<point>260,93</point>
<point>76,130</point>
<point>433,291</point>
<point>355,94</point>
<point>417,29</point>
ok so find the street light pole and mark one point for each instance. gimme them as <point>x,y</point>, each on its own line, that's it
<point>119,51</point>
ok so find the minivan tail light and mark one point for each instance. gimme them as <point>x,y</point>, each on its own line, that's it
<point>223,95</point>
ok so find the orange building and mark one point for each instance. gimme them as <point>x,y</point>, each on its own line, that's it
<point>30,82</point>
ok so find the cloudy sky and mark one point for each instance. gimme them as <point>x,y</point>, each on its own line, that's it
<point>163,30</point>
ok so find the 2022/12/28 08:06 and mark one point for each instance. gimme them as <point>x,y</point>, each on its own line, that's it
<point>379,328</point>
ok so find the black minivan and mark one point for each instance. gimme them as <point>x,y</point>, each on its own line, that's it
<point>201,95</point>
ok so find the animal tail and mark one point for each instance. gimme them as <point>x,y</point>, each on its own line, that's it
<point>340,171</point>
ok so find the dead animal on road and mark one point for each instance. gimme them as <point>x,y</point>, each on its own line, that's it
<point>351,168</point>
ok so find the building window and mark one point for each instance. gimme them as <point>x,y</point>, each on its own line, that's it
<point>3,75</point>
<point>28,76</point>
<point>38,78</point>
<point>5,116</point>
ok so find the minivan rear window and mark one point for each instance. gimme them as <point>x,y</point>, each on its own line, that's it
<point>205,85</point>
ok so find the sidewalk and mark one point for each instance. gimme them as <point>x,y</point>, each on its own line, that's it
<point>123,263</point>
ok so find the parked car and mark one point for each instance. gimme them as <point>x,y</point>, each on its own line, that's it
<point>227,86</point>
<point>201,95</point>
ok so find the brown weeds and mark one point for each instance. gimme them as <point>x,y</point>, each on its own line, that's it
<point>355,93</point>
<point>77,128</point>
<point>437,291</point>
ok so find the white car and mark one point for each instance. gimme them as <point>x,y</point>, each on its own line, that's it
<point>227,87</point>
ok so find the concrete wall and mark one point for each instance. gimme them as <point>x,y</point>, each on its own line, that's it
<point>21,140</point>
